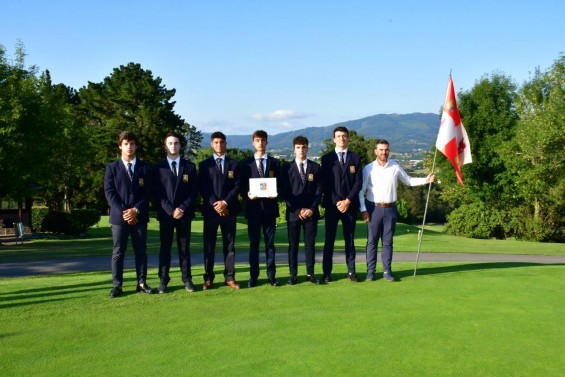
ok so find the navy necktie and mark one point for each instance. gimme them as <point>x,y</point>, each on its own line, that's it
<point>302,173</point>
<point>174,163</point>
<point>219,165</point>
<point>260,168</point>
<point>130,172</point>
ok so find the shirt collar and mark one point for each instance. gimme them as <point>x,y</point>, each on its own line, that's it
<point>171,160</point>
<point>132,162</point>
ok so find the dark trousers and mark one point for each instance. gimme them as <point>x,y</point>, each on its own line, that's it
<point>254,225</point>
<point>310,227</point>
<point>382,226</point>
<point>227,228</point>
<point>348,221</point>
<point>120,235</point>
<point>166,233</point>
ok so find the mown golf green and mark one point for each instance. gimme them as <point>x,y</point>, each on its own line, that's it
<point>498,319</point>
<point>460,319</point>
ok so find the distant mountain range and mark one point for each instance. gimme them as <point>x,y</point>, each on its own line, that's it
<point>407,133</point>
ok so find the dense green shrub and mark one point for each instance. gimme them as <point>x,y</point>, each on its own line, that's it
<point>76,222</point>
<point>82,219</point>
<point>57,222</point>
<point>37,216</point>
<point>477,221</point>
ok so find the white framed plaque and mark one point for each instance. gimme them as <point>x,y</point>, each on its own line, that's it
<point>263,187</point>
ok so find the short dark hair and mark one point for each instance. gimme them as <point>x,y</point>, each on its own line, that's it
<point>260,134</point>
<point>169,134</point>
<point>381,141</point>
<point>218,135</point>
<point>341,129</point>
<point>127,135</point>
<point>300,140</point>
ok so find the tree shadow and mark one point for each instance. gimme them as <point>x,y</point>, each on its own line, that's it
<point>468,267</point>
<point>53,293</point>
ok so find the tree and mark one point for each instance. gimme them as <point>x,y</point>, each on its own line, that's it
<point>488,112</point>
<point>131,99</point>
<point>233,153</point>
<point>21,152</point>
<point>68,149</point>
<point>536,157</point>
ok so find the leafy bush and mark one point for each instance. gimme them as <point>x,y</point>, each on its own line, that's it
<point>82,219</point>
<point>76,222</point>
<point>56,222</point>
<point>476,221</point>
<point>38,215</point>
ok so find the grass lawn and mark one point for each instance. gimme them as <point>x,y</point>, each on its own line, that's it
<point>99,241</point>
<point>490,319</point>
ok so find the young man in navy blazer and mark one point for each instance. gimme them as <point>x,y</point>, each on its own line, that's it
<point>176,188</point>
<point>219,182</point>
<point>127,186</point>
<point>342,172</point>
<point>261,212</point>
<point>302,191</point>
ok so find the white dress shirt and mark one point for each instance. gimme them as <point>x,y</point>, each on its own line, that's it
<point>380,182</point>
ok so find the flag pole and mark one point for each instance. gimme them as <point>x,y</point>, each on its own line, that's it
<point>421,232</point>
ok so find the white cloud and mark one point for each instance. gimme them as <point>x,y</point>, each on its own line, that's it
<point>279,115</point>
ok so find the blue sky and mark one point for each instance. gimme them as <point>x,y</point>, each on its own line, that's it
<point>243,65</point>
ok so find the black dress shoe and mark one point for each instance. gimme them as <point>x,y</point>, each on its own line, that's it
<point>292,280</point>
<point>189,286</point>
<point>144,288</point>
<point>115,292</point>
<point>327,278</point>
<point>273,282</point>
<point>312,279</point>
<point>163,286</point>
<point>388,276</point>
<point>370,277</point>
<point>251,283</point>
<point>352,277</point>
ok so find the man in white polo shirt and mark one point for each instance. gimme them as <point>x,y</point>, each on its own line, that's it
<point>378,209</point>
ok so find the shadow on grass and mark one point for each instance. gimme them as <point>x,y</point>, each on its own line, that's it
<point>469,267</point>
<point>53,293</point>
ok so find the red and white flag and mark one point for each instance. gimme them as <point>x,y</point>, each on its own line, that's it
<point>452,139</point>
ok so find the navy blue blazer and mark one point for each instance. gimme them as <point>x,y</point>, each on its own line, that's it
<point>298,195</point>
<point>175,192</point>
<point>339,183</point>
<point>267,205</point>
<point>215,186</point>
<point>123,194</point>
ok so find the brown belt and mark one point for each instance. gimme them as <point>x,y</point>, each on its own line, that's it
<point>384,205</point>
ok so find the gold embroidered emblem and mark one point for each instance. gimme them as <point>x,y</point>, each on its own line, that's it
<point>352,169</point>
<point>310,177</point>
<point>230,174</point>
<point>271,173</point>
<point>185,178</point>
<point>141,182</point>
